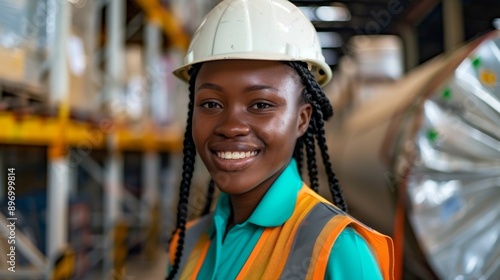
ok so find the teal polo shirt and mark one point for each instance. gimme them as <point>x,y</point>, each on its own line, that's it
<point>350,258</point>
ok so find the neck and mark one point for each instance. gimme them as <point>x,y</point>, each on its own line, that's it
<point>243,207</point>
<point>244,204</point>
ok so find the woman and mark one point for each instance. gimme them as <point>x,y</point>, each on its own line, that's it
<point>255,69</point>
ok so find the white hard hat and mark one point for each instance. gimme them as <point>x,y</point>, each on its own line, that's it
<point>257,30</point>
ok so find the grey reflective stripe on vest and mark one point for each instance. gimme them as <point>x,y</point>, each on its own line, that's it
<point>193,234</point>
<point>300,255</point>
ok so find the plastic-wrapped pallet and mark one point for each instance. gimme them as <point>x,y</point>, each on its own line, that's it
<point>22,40</point>
<point>433,136</point>
<point>27,34</point>
<point>80,51</point>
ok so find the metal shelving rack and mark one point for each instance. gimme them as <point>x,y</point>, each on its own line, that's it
<point>59,134</point>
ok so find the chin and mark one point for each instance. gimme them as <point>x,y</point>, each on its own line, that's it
<point>233,189</point>
<point>229,185</point>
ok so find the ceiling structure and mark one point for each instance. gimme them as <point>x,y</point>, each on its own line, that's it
<point>424,18</point>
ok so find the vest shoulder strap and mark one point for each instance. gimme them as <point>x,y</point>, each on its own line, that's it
<point>308,242</point>
<point>194,231</point>
<point>382,245</point>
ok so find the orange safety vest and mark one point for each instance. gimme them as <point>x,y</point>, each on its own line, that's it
<point>307,238</point>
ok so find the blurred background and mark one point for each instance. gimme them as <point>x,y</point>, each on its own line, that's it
<point>92,120</point>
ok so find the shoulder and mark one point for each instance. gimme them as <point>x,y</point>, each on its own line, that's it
<point>321,206</point>
<point>343,243</point>
<point>349,239</point>
<point>351,258</point>
<point>309,197</point>
<point>306,193</point>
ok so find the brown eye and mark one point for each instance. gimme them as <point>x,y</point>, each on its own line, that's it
<point>261,105</point>
<point>211,105</point>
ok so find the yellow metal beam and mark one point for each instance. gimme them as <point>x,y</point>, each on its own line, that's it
<point>39,130</point>
<point>160,15</point>
<point>45,131</point>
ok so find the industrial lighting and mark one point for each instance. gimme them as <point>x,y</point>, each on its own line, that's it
<point>330,39</point>
<point>496,23</point>
<point>335,12</point>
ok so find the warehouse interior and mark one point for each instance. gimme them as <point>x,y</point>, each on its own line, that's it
<point>92,123</point>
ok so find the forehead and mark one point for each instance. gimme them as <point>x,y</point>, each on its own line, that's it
<point>272,73</point>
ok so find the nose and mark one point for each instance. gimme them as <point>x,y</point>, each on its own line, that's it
<point>232,124</point>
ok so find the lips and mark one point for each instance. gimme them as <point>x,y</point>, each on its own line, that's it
<point>231,155</point>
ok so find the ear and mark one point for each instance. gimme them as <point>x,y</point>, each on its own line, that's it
<point>305,112</point>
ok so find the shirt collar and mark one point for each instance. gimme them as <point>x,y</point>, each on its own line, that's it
<point>279,200</point>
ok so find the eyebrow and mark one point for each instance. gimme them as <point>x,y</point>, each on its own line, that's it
<point>209,86</point>
<point>259,87</point>
<point>247,89</point>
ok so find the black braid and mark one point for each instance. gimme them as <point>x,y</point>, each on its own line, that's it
<point>187,174</point>
<point>322,110</point>
<point>312,168</point>
<point>210,197</point>
<point>298,154</point>
<point>333,183</point>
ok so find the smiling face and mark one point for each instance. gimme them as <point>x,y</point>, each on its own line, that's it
<point>246,120</point>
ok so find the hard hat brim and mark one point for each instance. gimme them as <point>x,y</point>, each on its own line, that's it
<point>319,69</point>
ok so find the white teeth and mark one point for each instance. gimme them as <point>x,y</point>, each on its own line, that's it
<point>236,155</point>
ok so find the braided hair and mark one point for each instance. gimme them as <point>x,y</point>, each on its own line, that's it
<point>189,152</point>
<point>322,111</point>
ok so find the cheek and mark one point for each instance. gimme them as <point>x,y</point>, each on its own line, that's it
<point>198,132</point>
<point>279,130</point>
